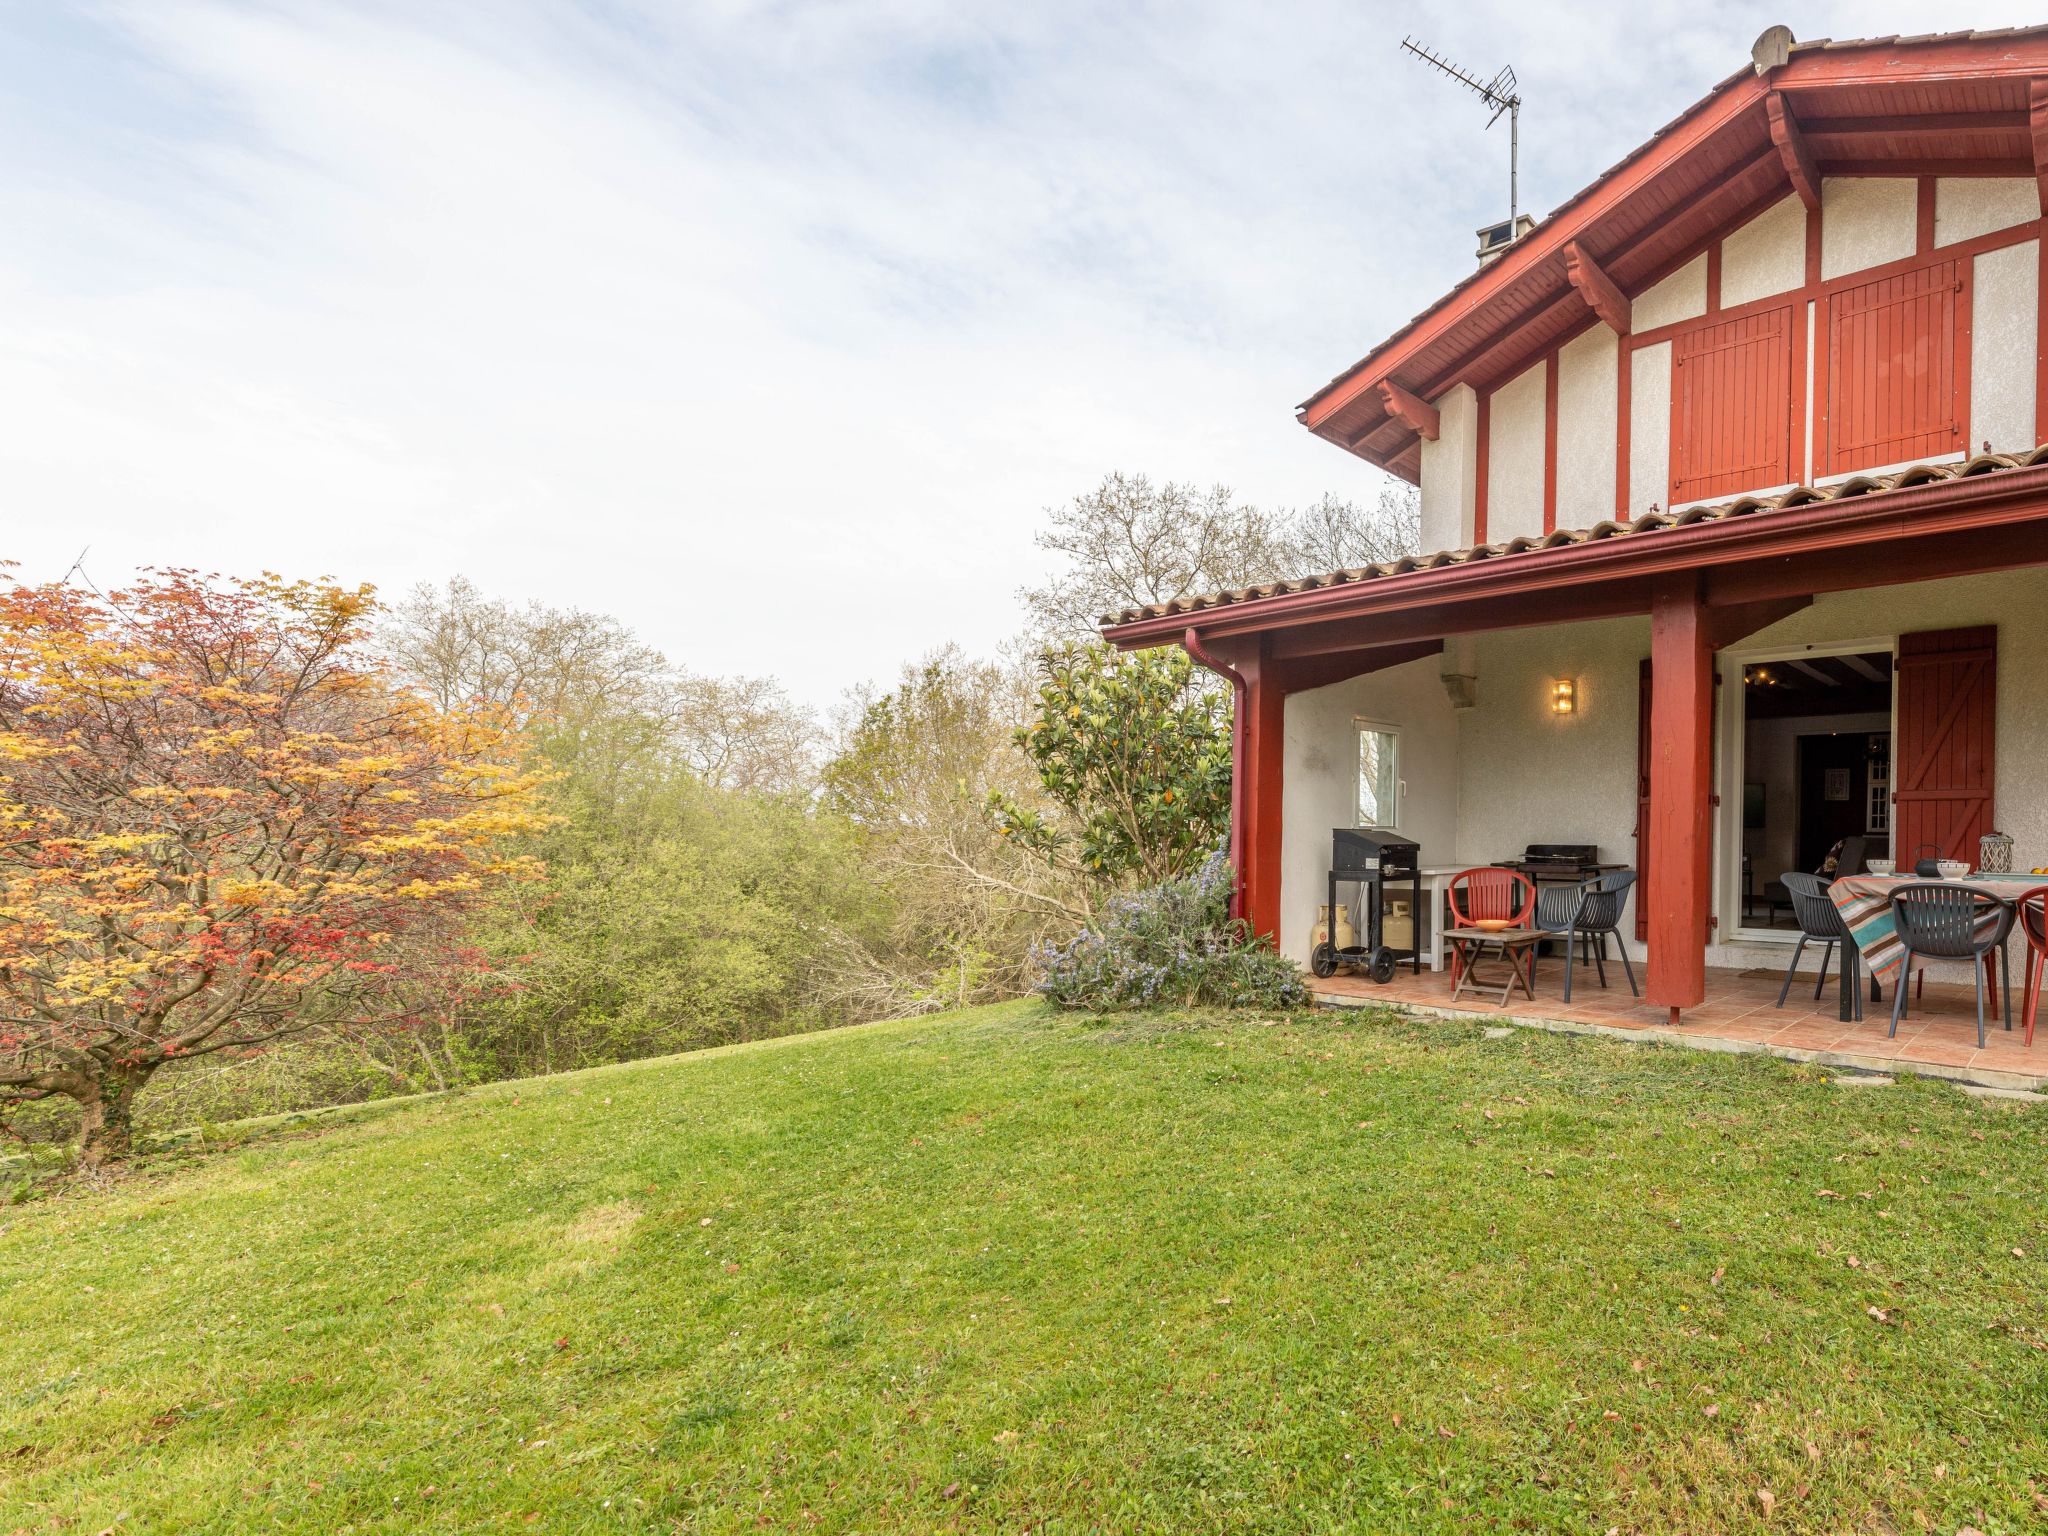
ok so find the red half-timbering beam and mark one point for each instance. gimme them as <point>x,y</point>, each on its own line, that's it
<point>1681,786</point>
<point>1261,683</point>
<point>1410,409</point>
<point>2037,135</point>
<point>1793,151</point>
<point>1601,293</point>
<point>1685,632</point>
<point>1263,722</point>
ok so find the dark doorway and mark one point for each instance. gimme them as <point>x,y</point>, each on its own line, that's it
<point>1834,794</point>
<point>1817,750</point>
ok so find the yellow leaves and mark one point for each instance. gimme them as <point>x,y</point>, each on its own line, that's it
<point>211,779</point>
<point>119,842</point>
<point>253,893</point>
<point>15,747</point>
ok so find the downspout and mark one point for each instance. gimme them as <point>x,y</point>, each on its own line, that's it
<point>1191,642</point>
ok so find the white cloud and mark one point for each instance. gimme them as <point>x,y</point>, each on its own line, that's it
<point>768,328</point>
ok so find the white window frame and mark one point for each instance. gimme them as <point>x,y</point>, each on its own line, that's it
<point>1359,726</point>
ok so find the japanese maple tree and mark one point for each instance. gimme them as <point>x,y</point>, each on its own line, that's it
<point>221,823</point>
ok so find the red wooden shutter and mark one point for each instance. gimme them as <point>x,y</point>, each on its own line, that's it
<point>1731,407</point>
<point>1892,370</point>
<point>1643,802</point>
<point>1943,761</point>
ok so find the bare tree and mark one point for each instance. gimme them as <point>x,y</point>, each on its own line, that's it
<point>913,771</point>
<point>1335,535</point>
<point>1129,543</point>
<point>599,698</point>
<point>560,664</point>
<point>743,733</point>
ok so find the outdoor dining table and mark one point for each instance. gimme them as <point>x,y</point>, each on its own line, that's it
<point>1865,902</point>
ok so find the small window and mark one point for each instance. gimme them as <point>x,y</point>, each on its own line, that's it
<point>1379,775</point>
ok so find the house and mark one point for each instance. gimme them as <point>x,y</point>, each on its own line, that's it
<point>1733,478</point>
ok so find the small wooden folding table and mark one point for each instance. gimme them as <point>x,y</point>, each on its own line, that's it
<point>1516,946</point>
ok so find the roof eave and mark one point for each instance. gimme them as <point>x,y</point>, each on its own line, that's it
<point>1756,532</point>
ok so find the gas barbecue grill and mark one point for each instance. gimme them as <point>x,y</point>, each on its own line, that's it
<point>1371,857</point>
<point>1560,862</point>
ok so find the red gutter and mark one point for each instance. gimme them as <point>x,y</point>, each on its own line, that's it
<point>1973,501</point>
<point>1191,642</point>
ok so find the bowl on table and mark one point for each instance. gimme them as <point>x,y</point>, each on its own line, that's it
<point>1880,867</point>
<point>1952,869</point>
<point>1493,924</point>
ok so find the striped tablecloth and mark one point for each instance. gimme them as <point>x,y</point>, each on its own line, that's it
<point>1865,902</point>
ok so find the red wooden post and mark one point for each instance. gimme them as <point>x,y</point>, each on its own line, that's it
<point>1681,791</point>
<point>1264,727</point>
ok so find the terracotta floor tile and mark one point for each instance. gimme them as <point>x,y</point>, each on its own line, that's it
<point>1939,1031</point>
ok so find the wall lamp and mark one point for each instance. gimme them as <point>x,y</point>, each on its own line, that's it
<point>1564,696</point>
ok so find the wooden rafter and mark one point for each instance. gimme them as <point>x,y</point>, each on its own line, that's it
<point>1602,294</point>
<point>1410,409</point>
<point>1503,356</point>
<point>2037,132</point>
<point>1914,125</point>
<point>1792,149</point>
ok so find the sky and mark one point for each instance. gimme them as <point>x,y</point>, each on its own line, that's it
<point>771,329</point>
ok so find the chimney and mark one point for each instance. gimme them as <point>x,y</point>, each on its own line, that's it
<point>1495,238</point>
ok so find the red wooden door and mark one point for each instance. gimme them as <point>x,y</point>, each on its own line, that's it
<point>1731,407</point>
<point>1944,762</point>
<point>1643,802</point>
<point>1893,369</point>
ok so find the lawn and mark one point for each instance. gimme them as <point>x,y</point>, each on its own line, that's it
<point>1009,1269</point>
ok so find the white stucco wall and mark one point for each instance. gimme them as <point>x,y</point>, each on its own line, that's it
<point>1514,462</point>
<point>1526,775</point>
<point>1766,256</point>
<point>1588,385</point>
<point>2008,599</point>
<point>1485,782</point>
<point>1321,786</point>
<point>1680,296</point>
<point>1450,472</point>
<point>1866,221</point>
<point>2012,600</point>
<point>1649,428</point>
<point>1967,206</point>
<point>2004,315</point>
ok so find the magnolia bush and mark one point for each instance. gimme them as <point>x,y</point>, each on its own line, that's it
<point>1132,751</point>
<point>1173,944</point>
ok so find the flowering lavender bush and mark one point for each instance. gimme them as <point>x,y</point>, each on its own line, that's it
<point>1172,945</point>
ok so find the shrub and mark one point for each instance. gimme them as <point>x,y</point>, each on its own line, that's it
<point>1173,944</point>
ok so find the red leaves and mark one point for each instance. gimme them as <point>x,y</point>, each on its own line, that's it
<point>215,810</point>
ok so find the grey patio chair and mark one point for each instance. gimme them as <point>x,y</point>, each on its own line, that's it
<point>1820,922</point>
<point>1940,921</point>
<point>1584,915</point>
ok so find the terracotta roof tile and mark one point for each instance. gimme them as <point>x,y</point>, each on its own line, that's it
<point>1649,523</point>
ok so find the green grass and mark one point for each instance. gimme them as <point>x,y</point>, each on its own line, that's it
<point>1006,1269</point>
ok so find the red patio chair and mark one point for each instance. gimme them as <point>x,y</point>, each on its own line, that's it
<point>2032,920</point>
<point>1489,895</point>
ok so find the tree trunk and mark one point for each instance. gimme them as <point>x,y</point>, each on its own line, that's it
<point>106,1124</point>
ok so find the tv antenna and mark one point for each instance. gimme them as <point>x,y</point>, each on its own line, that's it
<point>1498,93</point>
